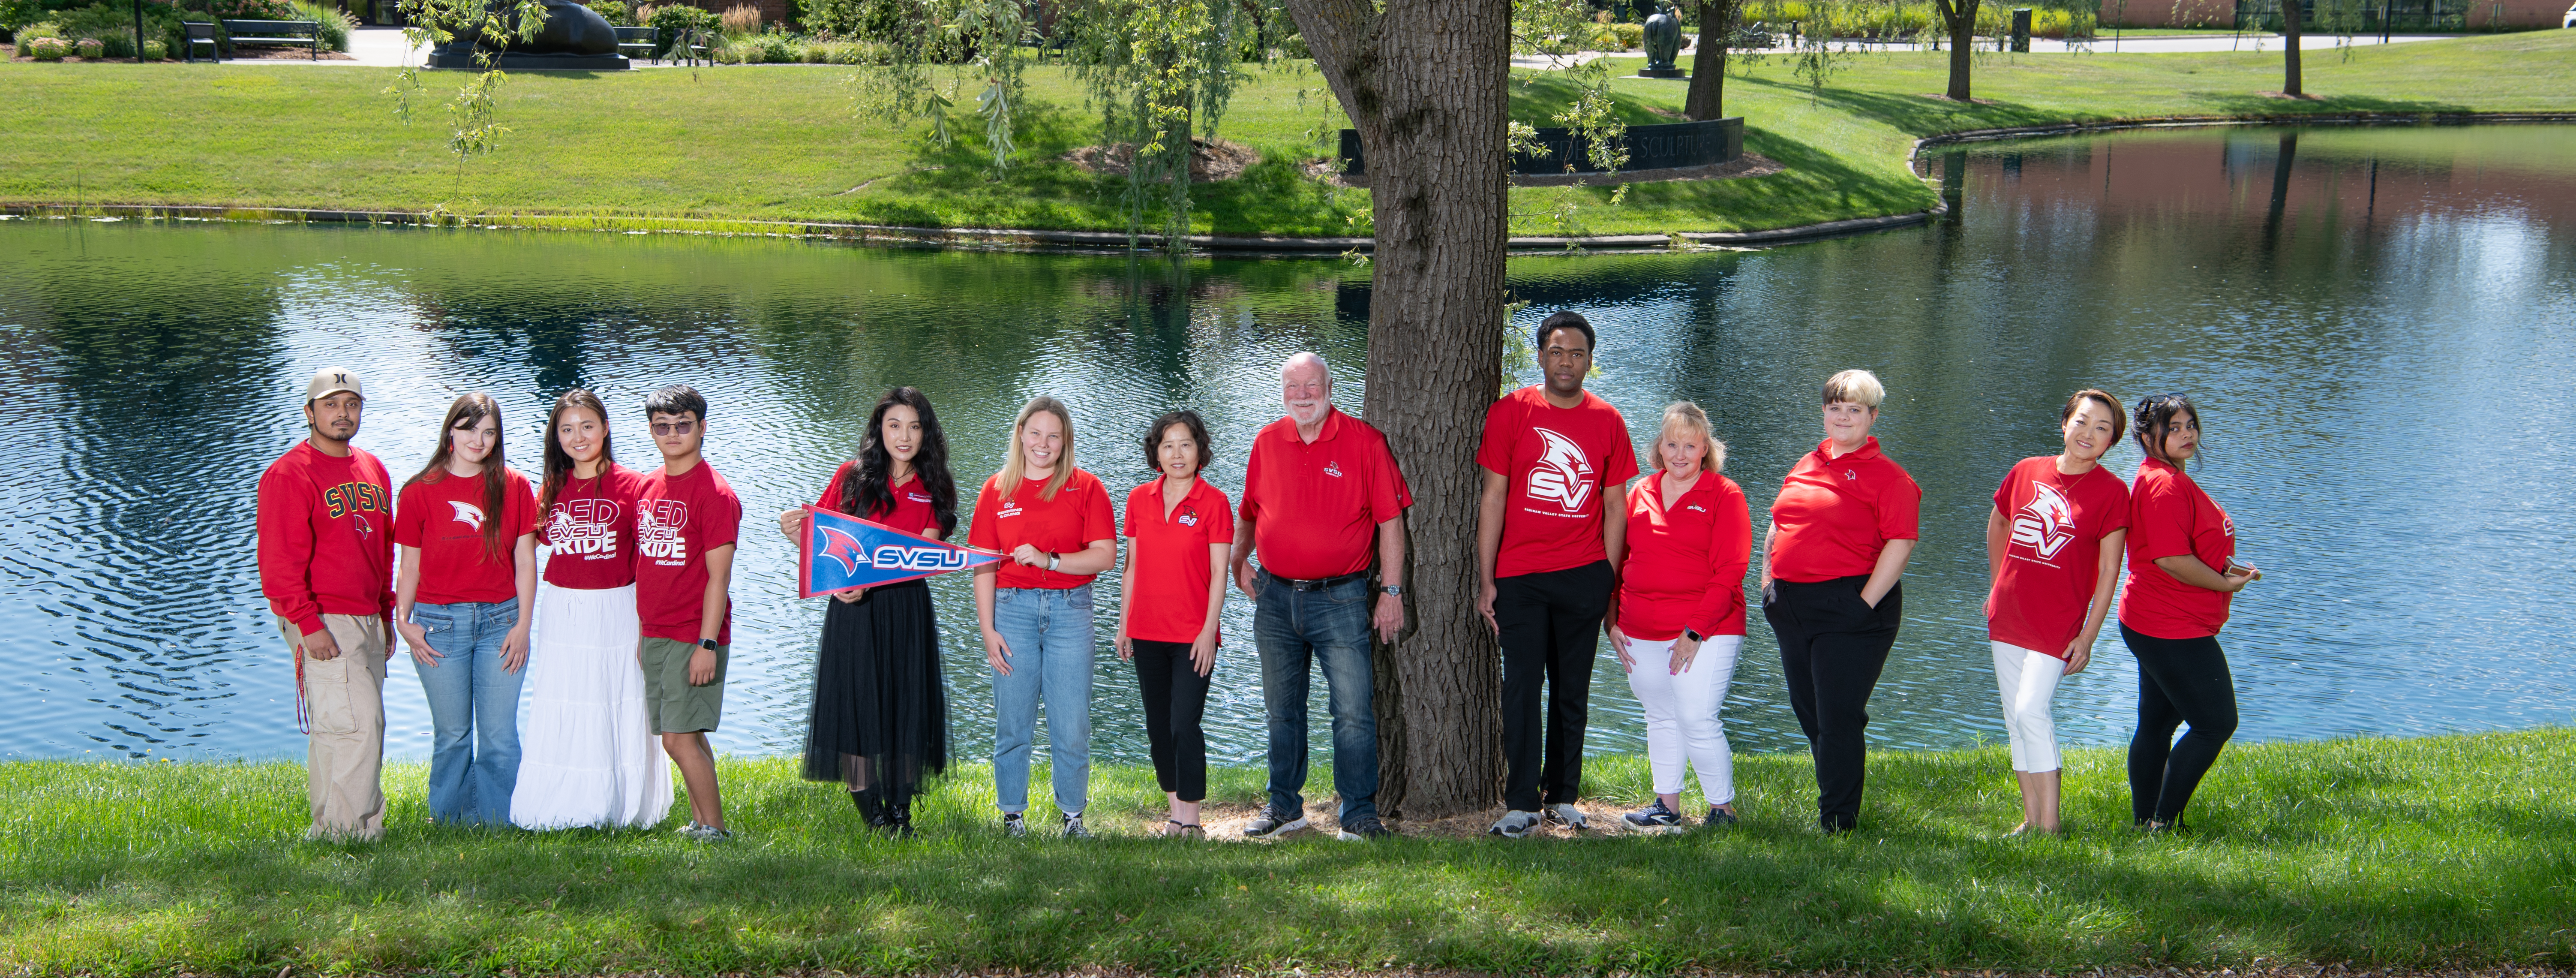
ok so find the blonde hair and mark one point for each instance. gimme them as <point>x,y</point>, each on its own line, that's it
<point>1017,461</point>
<point>1689,416</point>
<point>1857,386</point>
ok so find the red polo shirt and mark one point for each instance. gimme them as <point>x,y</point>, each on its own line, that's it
<point>2054,558</point>
<point>1685,564</point>
<point>1561,465</point>
<point>1170,559</point>
<point>590,531</point>
<point>911,512</point>
<point>1077,515</point>
<point>1834,515</point>
<point>2170,516</point>
<point>1314,509</point>
<point>444,516</point>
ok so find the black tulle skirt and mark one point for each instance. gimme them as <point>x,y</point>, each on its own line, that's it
<point>880,719</point>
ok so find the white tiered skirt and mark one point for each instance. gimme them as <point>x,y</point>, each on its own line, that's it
<point>587,755</point>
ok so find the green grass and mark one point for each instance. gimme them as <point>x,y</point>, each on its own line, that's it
<point>2419,853</point>
<point>785,143</point>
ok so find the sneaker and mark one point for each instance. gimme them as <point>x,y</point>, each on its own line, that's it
<point>707,833</point>
<point>1271,823</point>
<point>1013,826</point>
<point>1363,829</point>
<point>1717,817</point>
<point>1514,825</point>
<point>1565,814</point>
<point>1653,818</point>
<point>1073,827</point>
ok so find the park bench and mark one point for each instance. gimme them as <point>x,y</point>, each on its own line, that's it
<point>288,32</point>
<point>200,32</point>
<point>637,41</point>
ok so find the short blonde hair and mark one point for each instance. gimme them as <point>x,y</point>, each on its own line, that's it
<point>1689,417</point>
<point>1857,386</point>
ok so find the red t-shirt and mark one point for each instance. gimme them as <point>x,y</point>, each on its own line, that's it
<point>678,518</point>
<point>1834,515</point>
<point>1170,558</point>
<point>1077,515</point>
<point>1560,465</point>
<point>590,531</point>
<point>2054,558</point>
<point>911,512</point>
<point>1685,565</point>
<point>444,517</point>
<point>1314,509</point>
<point>2170,516</point>
<point>326,542</point>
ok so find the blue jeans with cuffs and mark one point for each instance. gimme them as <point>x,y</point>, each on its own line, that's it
<point>1049,634</point>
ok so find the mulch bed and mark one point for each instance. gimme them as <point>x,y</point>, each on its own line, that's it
<point>10,53</point>
<point>1747,165</point>
<point>1210,159</point>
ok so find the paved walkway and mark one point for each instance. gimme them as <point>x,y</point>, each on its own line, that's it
<point>2142,44</point>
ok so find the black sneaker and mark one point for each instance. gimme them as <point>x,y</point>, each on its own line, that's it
<point>1013,826</point>
<point>1717,817</point>
<point>899,820</point>
<point>1653,818</point>
<point>1363,829</point>
<point>1073,826</point>
<point>1271,823</point>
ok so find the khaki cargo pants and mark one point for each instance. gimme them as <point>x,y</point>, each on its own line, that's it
<point>345,758</point>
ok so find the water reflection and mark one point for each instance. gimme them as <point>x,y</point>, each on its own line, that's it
<point>2367,316</point>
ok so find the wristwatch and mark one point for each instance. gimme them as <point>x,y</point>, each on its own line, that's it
<point>708,644</point>
<point>1694,636</point>
<point>1051,557</point>
<point>1394,589</point>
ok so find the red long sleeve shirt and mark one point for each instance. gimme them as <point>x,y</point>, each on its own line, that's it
<point>326,541</point>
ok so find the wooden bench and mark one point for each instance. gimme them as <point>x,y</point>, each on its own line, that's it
<point>288,32</point>
<point>637,42</point>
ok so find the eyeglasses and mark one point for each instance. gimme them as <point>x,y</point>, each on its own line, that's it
<point>661,428</point>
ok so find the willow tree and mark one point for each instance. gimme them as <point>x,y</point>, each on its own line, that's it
<point>1425,85</point>
<point>1161,73</point>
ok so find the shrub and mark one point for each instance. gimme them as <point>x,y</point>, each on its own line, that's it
<point>47,48</point>
<point>614,12</point>
<point>155,49</point>
<point>112,25</point>
<point>672,20</point>
<point>253,9</point>
<point>91,48</point>
<point>335,24</point>
<point>15,14</point>
<point>741,19</point>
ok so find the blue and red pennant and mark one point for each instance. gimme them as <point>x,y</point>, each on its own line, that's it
<point>842,552</point>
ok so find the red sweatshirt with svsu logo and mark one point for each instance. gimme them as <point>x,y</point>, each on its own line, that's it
<point>326,541</point>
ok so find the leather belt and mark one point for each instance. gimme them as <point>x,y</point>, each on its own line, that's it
<point>1316,585</point>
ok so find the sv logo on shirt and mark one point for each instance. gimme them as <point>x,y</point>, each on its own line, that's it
<point>1561,475</point>
<point>658,527</point>
<point>583,526</point>
<point>469,514</point>
<point>1333,468</point>
<point>1189,517</point>
<point>2046,524</point>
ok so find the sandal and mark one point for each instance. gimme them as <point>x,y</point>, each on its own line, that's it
<point>1174,828</point>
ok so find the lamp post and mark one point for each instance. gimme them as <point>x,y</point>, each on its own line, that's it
<point>138,31</point>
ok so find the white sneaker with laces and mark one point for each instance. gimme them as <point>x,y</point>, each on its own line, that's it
<point>1565,814</point>
<point>1515,824</point>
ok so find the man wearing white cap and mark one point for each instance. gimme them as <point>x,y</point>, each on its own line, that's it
<point>326,552</point>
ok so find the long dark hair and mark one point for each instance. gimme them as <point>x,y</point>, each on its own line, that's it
<point>558,461</point>
<point>864,489</point>
<point>468,411</point>
<point>2156,416</point>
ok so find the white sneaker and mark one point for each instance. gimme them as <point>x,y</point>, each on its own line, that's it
<point>1565,814</point>
<point>1516,824</point>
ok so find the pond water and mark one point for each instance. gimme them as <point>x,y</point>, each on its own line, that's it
<point>2371,319</point>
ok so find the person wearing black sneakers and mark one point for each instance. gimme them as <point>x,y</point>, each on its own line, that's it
<point>1679,621</point>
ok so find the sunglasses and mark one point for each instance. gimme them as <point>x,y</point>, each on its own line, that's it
<point>661,428</point>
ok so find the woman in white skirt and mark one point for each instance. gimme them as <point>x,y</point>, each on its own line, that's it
<point>588,754</point>
<point>1678,622</point>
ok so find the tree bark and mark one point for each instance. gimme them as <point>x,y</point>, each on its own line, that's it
<point>1707,98</point>
<point>1426,86</point>
<point>1961,17</point>
<point>2290,53</point>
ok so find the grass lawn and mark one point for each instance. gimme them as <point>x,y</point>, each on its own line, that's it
<point>787,142</point>
<point>2421,853</point>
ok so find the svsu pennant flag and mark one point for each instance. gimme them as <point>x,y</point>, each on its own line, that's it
<point>842,552</point>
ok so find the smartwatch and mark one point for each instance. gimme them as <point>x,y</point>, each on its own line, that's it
<point>1051,557</point>
<point>1694,635</point>
<point>708,644</point>
<point>1394,589</point>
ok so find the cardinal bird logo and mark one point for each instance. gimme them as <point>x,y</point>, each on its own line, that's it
<point>468,514</point>
<point>1561,476</point>
<point>844,548</point>
<point>2046,524</point>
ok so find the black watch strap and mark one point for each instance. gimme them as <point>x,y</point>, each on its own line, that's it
<point>1694,635</point>
<point>708,644</point>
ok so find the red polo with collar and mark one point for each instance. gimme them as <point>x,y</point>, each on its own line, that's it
<point>1314,508</point>
<point>1685,563</point>
<point>1170,559</point>
<point>1834,515</point>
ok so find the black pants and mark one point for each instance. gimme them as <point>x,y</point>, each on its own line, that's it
<point>1551,630</point>
<point>1832,646</point>
<point>1175,697</point>
<point>2179,680</point>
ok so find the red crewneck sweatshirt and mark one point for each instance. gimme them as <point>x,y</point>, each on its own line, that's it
<point>326,541</point>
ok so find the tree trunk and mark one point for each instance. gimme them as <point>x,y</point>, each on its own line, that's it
<point>2290,53</point>
<point>1426,86</point>
<point>1962,18</point>
<point>1707,98</point>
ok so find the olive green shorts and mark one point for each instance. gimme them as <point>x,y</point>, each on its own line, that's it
<point>673,705</point>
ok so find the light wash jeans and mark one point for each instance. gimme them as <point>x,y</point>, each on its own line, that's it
<point>1049,633</point>
<point>470,696</point>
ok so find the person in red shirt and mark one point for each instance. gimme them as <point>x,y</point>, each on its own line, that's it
<point>1679,621</point>
<point>1053,523</point>
<point>1169,598</point>
<point>879,724</point>
<point>588,756</point>
<point>2182,574</point>
<point>1322,500</point>
<point>1549,528</point>
<point>326,556</point>
<point>463,601</point>
<point>1842,528</point>
<point>2053,555</point>
<point>687,521</point>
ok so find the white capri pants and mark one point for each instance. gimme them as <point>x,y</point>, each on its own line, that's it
<point>2028,680</point>
<point>1681,713</point>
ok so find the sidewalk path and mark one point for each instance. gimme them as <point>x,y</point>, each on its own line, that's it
<point>2143,43</point>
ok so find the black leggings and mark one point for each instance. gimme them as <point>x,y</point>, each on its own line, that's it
<point>2180,680</point>
<point>1175,698</point>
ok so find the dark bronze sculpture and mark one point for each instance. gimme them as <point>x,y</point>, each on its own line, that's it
<point>573,37</point>
<point>1663,44</point>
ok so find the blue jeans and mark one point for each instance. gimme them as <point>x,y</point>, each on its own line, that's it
<point>470,695</point>
<point>1049,633</point>
<point>1295,630</point>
